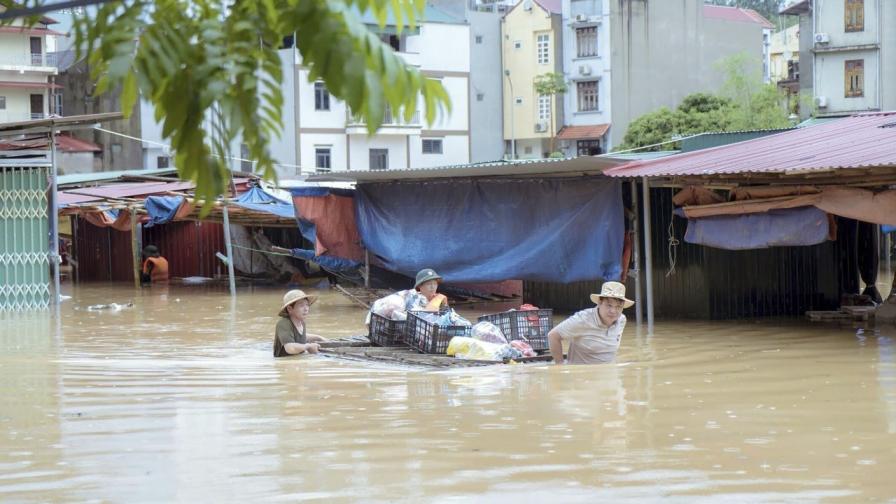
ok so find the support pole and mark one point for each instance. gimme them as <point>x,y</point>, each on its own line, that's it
<point>887,249</point>
<point>229,249</point>
<point>636,254</point>
<point>135,247</point>
<point>648,253</point>
<point>54,220</point>
<point>366,268</point>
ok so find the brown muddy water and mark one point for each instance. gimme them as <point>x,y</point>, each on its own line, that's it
<point>179,399</point>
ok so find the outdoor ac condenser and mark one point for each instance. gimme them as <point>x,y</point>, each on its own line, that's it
<point>541,126</point>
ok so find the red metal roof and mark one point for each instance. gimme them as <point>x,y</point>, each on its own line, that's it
<point>735,14</point>
<point>32,30</point>
<point>580,132</point>
<point>64,143</point>
<point>552,6</point>
<point>29,85</point>
<point>860,141</point>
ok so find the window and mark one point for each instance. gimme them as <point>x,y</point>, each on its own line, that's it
<point>432,145</point>
<point>393,41</point>
<point>379,159</point>
<point>855,78</point>
<point>57,104</point>
<point>544,107</point>
<point>519,100</point>
<point>586,42</point>
<point>322,159</point>
<point>587,91</point>
<point>855,15</point>
<point>517,45</point>
<point>480,96</point>
<point>478,39</point>
<point>543,48</point>
<point>588,147</point>
<point>2,103</point>
<point>527,149</point>
<point>321,97</point>
<point>246,161</point>
<point>163,162</point>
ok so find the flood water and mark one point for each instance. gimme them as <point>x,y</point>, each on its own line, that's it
<point>179,399</point>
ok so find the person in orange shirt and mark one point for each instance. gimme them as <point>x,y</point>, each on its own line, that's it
<point>155,267</point>
<point>427,284</point>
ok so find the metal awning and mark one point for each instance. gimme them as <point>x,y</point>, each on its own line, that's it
<point>57,123</point>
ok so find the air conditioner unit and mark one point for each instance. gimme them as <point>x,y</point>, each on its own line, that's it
<point>821,101</point>
<point>584,69</point>
<point>822,38</point>
<point>541,126</point>
<point>581,18</point>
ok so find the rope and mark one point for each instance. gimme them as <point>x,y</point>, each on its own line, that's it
<point>262,251</point>
<point>673,243</point>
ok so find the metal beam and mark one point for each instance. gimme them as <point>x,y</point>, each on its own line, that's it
<point>54,220</point>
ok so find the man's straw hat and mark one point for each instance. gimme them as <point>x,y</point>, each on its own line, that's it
<point>613,290</point>
<point>292,296</point>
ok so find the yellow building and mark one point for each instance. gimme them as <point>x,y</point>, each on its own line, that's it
<point>531,46</point>
<point>784,50</point>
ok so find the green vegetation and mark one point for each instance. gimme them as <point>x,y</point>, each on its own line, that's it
<point>202,62</point>
<point>744,103</point>
<point>551,84</point>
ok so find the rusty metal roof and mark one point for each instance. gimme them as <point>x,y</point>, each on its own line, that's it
<point>860,141</point>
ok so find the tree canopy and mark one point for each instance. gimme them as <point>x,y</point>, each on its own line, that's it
<point>202,62</point>
<point>744,103</point>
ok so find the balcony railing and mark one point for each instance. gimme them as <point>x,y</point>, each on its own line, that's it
<point>33,60</point>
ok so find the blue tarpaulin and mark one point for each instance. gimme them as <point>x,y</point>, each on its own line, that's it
<point>557,230</point>
<point>161,209</point>
<point>775,228</point>
<point>326,262</point>
<point>257,199</point>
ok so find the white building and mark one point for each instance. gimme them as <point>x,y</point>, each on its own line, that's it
<point>27,71</point>
<point>329,138</point>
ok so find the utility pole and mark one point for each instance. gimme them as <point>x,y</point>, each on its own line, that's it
<point>512,105</point>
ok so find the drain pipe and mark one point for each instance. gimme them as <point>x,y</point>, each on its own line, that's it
<point>648,253</point>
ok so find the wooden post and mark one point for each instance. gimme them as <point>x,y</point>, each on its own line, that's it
<point>636,254</point>
<point>648,253</point>
<point>135,247</point>
<point>229,249</point>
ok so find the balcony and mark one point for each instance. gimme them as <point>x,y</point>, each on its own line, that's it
<point>34,62</point>
<point>393,124</point>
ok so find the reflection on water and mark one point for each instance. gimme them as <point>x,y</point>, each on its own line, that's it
<point>180,399</point>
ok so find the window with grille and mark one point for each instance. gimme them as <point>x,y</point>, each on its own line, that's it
<point>588,147</point>
<point>163,162</point>
<point>379,159</point>
<point>321,97</point>
<point>432,145</point>
<point>543,48</point>
<point>2,103</point>
<point>322,159</point>
<point>544,107</point>
<point>587,93</point>
<point>586,42</point>
<point>855,15</point>
<point>855,78</point>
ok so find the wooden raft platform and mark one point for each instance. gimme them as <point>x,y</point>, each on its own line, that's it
<point>358,348</point>
<point>844,314</point>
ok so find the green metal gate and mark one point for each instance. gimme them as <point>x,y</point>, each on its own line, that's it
<point>24,238</point>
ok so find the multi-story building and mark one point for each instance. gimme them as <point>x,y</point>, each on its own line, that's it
<point>784,53</point>
<point>846,54</point>
<point>625,58</point>
<point>331,137</point>
<point>27,71</point>
<point>531,46</point>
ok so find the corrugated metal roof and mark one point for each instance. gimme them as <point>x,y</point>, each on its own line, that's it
<point>86,178</point>
<point>524,167</point>
<point>735,14</point>
<point>860,141</point>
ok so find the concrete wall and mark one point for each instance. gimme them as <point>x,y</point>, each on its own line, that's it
<point>78,98</point>
<point>664,51</point>
<point>830,75</point>
<point>79,162</point>
<point>784,47</point>
<point>486,98</point>
<point>807,61</point>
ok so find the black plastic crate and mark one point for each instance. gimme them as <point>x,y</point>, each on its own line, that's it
<point>428,337</point>
<point>386,332</point>
<point>531,326</point>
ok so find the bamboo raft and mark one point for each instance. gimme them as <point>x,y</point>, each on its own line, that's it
<point>358,348</point>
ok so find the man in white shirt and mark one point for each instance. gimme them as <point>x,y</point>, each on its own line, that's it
<point>593,334</point>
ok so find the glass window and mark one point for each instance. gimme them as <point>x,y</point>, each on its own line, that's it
<point>478,39</point>
<point>587,91</point>
<point>588,147</point>
<point>543,48</point>
<point>544,107</point>
<point>163,162</point>
<point>855,78</point>
<point>322,159</point>
<point>432,145</point>
<point>321,97</point>
<point>855,15</point>
<point>2,103</point>
<point>246,161</point>
<point>379,159</point>
<point>586,42</point>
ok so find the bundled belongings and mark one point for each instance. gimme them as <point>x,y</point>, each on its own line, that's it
<point>474,349</point>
